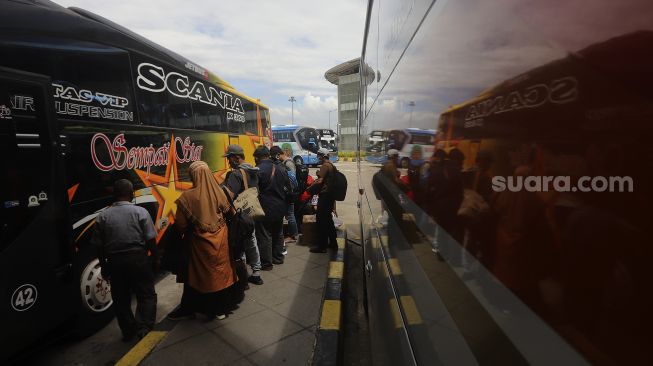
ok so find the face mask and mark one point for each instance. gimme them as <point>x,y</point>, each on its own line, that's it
<point>233,163</point>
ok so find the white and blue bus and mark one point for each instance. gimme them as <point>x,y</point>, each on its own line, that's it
<point>328,139</point>
<point>299,142</point>
<point>415,145</point>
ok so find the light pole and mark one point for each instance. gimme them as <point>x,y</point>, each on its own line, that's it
<point>292,106</point>
<point>411,104</point>
<point>333,110</point>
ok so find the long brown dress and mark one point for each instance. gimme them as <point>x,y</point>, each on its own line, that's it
<point>200,216</point>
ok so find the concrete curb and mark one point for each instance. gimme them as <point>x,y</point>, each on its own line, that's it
<point>328,336</point>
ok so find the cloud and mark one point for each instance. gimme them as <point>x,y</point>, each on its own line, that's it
<point>284,46</point>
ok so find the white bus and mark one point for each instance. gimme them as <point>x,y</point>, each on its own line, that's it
<point>299,142</point>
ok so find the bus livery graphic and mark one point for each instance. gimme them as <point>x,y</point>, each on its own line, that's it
<point>141,157</point>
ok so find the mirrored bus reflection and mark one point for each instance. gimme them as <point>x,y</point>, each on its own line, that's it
<point>465,270</point>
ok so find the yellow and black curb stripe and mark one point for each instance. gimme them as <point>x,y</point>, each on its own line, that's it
<point>145,346</point>
<point>328,334</point>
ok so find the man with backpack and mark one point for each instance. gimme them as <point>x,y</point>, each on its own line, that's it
<point>283,160</point>
<point>326,201</point>
<point>242,176</point>
<point>273,185</point>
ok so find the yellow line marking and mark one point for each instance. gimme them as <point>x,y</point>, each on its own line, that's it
<point>384,240</point>
<point>384,269</point>
<point>336,269</point>
<point>375,242</point>
<point>141,349</point>
<point>410,309</point>
<point>394,266</point>
<point>394,309</point>
<point>330,318</point>
<point>341,243</point>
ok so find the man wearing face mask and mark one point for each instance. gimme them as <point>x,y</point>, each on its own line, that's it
<point>235,183</point>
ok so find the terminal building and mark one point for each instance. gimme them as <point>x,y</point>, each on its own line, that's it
<point>347,77</point>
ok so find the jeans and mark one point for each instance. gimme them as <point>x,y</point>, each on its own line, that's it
<point>324,222</point>
<point>292,224</point>
<point>252,255</point>
<point>131,272</point>
<point>269,238</point>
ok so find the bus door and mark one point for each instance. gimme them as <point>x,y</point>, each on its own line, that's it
<point>36,291</point>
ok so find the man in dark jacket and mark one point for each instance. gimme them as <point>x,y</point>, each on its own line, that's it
<point>243,172</point>
<point>272,196</point>
<point>325,203</point>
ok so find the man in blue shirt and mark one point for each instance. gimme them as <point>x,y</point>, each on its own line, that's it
<point>123,234</point>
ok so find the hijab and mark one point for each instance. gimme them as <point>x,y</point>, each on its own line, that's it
<point>204,203</point>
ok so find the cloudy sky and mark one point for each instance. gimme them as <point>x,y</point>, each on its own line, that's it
<point>266,49</point>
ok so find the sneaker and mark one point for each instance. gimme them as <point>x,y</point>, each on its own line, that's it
<point>285,250</point>
<point>215,317</point>
<point>257,280</point>
<point>277,261</point>
<point>267,267</point>
<point>180,314</point>
<point>317,250</point>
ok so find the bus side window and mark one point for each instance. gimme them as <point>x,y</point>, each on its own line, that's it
<point>207,117</point>
<point>164,110</point>
<point>251,120</point>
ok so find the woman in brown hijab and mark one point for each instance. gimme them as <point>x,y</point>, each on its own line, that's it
<point>201,218</point>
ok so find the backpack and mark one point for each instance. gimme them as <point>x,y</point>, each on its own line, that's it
<point>292,177</point>
<point>289,194</point>
<point>241,228</point>
<point>338,185</point>
<point>302,177</point>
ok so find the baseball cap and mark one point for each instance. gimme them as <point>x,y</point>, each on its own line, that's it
<point>275,150</point>
<point>234,150</point>
<point>262,151</point>
<point>323,151</point>
<point>392,152</point>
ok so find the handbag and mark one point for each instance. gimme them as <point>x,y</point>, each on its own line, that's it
<point>247,201</point>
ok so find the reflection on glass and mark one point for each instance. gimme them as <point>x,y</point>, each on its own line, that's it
<point>508,100</point>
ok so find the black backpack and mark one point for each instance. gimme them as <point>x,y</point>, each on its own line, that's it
<point>241,228</point>
<point>302,177</point>
<point>279,168</point>
<point>339,185</point>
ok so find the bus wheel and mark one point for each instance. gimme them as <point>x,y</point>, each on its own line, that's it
<point>405,163</point>
<point>95,295</point>
<point>298,160</point>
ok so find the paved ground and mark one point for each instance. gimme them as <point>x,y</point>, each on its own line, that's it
<point>274,325</point>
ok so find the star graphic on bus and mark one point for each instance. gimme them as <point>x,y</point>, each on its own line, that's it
<point>166,189</point>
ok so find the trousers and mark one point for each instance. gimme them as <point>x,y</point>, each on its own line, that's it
<point>131,273</point>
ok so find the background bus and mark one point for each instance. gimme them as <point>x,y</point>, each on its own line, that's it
<point>84,102</point>
<point>299,142</point>
<point>328,139</point>
<point>415,145</point>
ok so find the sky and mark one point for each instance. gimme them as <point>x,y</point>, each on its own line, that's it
<point>269,50</point>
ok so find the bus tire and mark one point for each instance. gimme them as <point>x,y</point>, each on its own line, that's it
<point>404,163</point>
<point>95,302</point>
<point>298,160</point>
